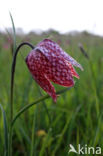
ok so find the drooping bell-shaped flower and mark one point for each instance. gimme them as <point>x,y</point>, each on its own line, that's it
<point>48,62</point>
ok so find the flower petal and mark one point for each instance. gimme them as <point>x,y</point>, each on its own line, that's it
<point>45,84</point>
<point>49,47</point>
<point>59,72</point>
<point>73,72</point>
<point>36,63</point>
<point>56,68</point>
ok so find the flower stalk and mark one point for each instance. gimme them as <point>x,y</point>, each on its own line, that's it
<point>11,92</point>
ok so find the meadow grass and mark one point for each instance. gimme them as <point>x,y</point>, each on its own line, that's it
<point>47,129</point>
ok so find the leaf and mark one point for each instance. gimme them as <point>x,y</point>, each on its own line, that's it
<point>14,33</point>
<point>5,130</point>
<point>36,102</point>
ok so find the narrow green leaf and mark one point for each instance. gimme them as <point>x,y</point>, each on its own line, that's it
<point>59,141</point>
<point>14,32</point>
<point>36,102</point>
<point>45,142</point>
<point>33,133</point>
<point>5,131</point>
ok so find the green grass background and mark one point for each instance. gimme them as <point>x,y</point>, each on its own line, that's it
<point>76,118</point>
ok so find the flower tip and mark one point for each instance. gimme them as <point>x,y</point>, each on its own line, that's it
<point>77,76</point>
<point>81,68</point>
<point>55,98</point>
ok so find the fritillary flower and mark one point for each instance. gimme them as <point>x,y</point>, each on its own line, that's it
<point>48,62</point>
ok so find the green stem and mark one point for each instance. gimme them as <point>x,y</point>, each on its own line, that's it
<point>35,102</point>
<point>93,76</point>
<point>33,133</point>
<point>46,109</point>
<point>11,93</point>
<point>94,88</point>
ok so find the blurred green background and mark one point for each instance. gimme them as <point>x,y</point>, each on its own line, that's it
<point>77,116</point>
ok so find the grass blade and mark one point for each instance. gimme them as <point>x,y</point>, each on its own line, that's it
<point>5,130</point>
<point>14,32</point>
<point>36,102</point>
<point>33,133</point>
